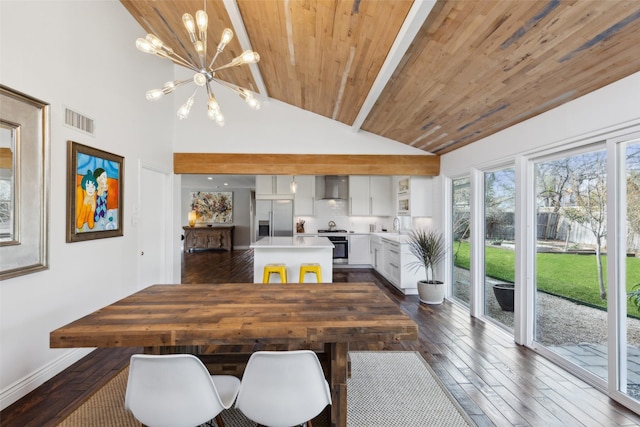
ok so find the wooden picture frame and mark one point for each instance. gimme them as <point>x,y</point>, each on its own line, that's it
<point>95,196</point>
<point>24,187</point>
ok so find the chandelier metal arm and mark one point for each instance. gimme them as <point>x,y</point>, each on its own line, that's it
<point>235,88</point>
<point>245,94</point>
<point>178,60</point>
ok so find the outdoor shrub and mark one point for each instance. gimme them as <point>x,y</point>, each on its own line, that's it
<point>634,295</point>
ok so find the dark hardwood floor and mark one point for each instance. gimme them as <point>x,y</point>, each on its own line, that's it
<point>496,381</point>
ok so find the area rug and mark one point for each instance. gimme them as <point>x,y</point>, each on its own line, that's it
<point>389,389</point>
<point>386,389</point>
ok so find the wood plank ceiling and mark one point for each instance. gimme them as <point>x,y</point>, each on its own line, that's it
<point>434,75</point>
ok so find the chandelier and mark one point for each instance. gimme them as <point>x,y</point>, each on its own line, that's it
<point>204,74</point>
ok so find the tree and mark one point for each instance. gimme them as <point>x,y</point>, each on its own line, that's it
<point>461,212</point>
<point>553,184</point>
<point>633,194</point>
<point>589,188</point>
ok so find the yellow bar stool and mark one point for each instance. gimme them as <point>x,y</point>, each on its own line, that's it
<point>310,268</point>
<point>280,269</point>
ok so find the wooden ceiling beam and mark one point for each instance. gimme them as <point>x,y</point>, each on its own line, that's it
<point>305,164</point>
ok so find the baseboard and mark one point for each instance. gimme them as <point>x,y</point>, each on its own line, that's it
<point>27,384</point>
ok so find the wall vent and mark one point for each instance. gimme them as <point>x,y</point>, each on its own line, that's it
<point>78,121</point>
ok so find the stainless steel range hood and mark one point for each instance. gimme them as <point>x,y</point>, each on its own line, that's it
<point>332,187</point>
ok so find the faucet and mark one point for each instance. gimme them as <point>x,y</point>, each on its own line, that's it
<point>396,224</point>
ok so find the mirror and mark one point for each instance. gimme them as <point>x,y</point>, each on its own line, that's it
<point>24,184</point>
<point>8,183</point>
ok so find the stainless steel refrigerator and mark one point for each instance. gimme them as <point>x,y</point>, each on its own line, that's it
<point>274,218</point>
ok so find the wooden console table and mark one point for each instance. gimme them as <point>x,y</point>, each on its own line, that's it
<point>219,237</point>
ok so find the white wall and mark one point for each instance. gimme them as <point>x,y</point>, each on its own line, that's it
<point>82,55</point>
<point>275,128</point>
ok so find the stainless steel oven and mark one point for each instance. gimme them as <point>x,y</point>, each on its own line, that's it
<point>341,245</point>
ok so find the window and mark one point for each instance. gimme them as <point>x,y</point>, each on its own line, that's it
<point>461,192</point>
<point>499,245</point>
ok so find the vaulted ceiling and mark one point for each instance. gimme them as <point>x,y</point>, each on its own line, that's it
<point>436,75</point>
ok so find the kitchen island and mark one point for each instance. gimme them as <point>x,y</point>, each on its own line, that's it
<point>293,251</point>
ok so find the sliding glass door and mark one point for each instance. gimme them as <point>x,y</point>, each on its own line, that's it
<point>571,290</point>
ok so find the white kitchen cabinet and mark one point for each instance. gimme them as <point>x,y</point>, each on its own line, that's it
<point>369,195</point>
<point>414,196</point>
<point>380,193</point>
<point>359,251</point>
<point>304,200</point>
<point>392,261</point>
<point>359,202</point>
<point>375,250</point>
<point>273,187</point>
<point>395,264</point>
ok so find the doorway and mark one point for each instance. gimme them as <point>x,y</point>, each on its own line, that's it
<point>153,216</point>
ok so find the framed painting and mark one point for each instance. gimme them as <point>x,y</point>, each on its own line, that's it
<point>24,184</point>
<point>95,183</point>
<point>212,208</point>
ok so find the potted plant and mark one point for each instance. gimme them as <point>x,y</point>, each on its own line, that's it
<point>504,293</point>
<point>428,246</point>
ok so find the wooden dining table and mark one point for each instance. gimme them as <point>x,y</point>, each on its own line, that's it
<point>189,317</point>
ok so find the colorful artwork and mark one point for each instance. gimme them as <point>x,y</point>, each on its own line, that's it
<point>95,186</point>
<point>212,208</point>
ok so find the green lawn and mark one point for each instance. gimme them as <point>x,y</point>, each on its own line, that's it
<point>569,275</point>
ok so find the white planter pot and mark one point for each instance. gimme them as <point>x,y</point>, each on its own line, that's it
<point>431,293</point>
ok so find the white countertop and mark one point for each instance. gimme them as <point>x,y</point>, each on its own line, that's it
<point>299,242</point>
<point>394,237</point>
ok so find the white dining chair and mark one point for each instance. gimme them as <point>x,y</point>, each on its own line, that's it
<point>176,390</point>
<point>283,388</point>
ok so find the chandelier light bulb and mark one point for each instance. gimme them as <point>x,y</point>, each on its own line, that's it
<point>247,57</point>
<point>217,117</point>
<point>154,94</point>
<point>214,112</point>
<point>199,47</point>
<point>145,46</point>
<point>183,112</point>
<point>248,97</point>
<point>214,107</point>
<point>202,20</point>
<point>227,36</point>
<point>190,25</point>
<point>250,57</point>
<point>155,41</point>
<point>252,102</point>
